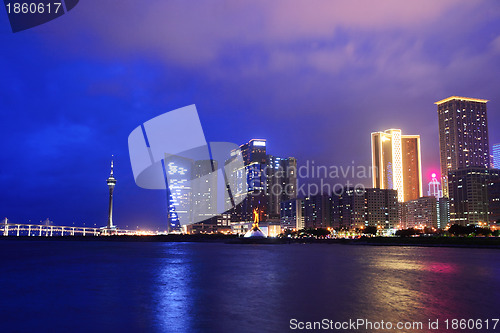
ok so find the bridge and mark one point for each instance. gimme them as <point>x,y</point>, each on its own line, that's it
<point>19,229</point>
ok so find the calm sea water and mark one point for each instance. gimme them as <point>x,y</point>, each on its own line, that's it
<point>58,286</point>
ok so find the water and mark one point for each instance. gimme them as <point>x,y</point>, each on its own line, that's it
<point>58,286</point>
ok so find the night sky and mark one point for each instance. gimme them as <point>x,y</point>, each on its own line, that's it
<point>314,78</point>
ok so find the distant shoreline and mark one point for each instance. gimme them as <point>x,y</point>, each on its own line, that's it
<point>466,242</point>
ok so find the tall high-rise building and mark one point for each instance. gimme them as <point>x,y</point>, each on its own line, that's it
<point>269,181</point>
<point>191,191</point>
<point>204,191</point>
<point>469,199</point>
<point>496,156</point>
<point>254,158</point>
<point>178,171</point>
<point>281,182</point>
<point>463,135</point>
<point>254,151</point>
<point>396,162</point>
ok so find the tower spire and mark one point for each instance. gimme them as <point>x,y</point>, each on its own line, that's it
<point>111,181</point>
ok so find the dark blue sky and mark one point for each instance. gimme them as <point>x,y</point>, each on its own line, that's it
<point>314,78</point>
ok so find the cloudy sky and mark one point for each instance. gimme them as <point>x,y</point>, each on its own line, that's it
<point>314,78</point>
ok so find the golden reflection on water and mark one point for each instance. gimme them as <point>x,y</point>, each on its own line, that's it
<point>400,264</point>
<point>401,286</point>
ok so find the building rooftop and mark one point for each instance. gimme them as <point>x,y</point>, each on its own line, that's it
<point>461,98</point>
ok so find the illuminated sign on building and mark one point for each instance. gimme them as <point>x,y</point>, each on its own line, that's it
<point>259,143</point>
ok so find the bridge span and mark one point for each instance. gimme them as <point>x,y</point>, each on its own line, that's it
<point>19,229</point>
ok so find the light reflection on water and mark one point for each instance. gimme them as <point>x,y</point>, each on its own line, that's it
<point>427,283</point>
<point>172,290</point>
<point>198,287</point>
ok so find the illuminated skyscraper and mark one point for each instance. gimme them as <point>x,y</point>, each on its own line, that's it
<point>178,171</point>
<point>396,162</point>
<point>496,156</point>
<point>254,158</point>
<point>463,135</point>
<point>281,182</point>
<point>269,181</point>
<point>254,151</point>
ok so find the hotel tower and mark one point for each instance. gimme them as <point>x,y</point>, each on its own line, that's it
<point>396,162</point>
<point>463,135</point>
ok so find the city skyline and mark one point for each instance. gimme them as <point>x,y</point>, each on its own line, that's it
<point>261,157</point>
<point>312,85</point>
<point>261,145</point>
